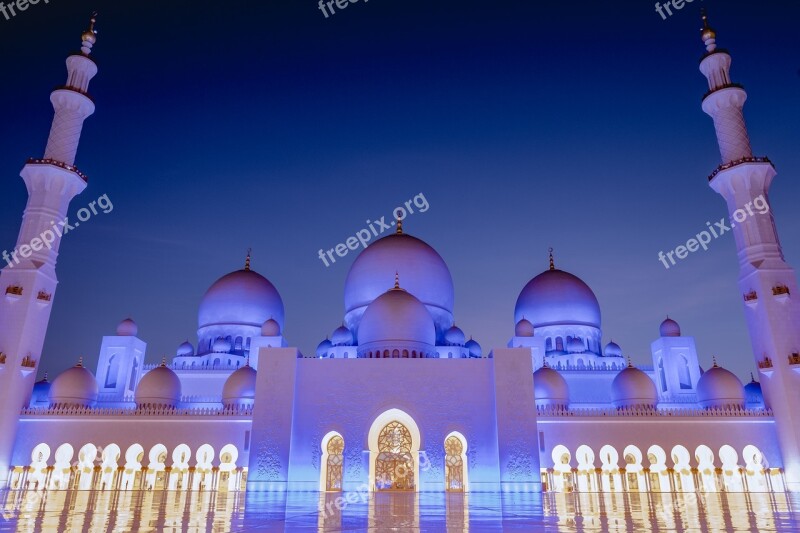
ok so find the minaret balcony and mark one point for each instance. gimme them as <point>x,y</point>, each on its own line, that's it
<point>794,360</point>
<point>721,87</point>
<point>765,366</point>
<point>781,292</point>
<point>59,164</point>
<point>738,162</point>
<point>44,297</point>
<point>13,291</point>
<point>751,298</point>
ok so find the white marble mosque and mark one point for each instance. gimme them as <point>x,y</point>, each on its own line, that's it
<point>558,409</point>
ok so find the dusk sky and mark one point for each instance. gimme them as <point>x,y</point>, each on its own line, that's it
<point>227,125</point>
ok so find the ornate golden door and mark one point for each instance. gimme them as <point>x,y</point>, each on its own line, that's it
<point>394,466</point>
<point>335,449</point>
<point>454,465</point>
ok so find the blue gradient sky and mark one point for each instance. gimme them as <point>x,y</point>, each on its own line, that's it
<point>526,125</point>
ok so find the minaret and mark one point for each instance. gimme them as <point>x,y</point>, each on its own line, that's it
<point>767,283</point>
<point>28,280</point>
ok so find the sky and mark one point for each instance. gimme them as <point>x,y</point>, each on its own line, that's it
<point>225,126</point>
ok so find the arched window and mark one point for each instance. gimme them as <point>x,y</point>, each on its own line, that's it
<point>559,344</point>
<point>134,368</point>
<point>454,464</point>
<point>683,373</point>
<point>548,344</point>
<point>334,463</point>
<point>394,466</point>
<point>405,354</point>
<point>662,375</point>
<point>112,371</point>
<point>396,354</point>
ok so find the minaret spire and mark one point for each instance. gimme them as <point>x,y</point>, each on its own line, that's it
<point>52,182</point>
<point>765,279</point>
<point>247,259</point>
<point>552,262</point>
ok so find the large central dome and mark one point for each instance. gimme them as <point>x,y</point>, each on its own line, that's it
<point>422,269</point>
<point>244,298</point>
<point>555,297</point>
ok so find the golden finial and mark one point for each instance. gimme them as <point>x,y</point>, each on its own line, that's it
<point>247,362</point>
<point>707,31</point>
<point>396,280</point>
<point>714,360</point>
<point>80,362</point>
<point>399,226</point>
<point>552,262</point>
<point>544,363</point>
<point>752,378</point>
<point>90,35</point>
<point>164,361</point>
<point>247,259</point>
<point>630,363</point>
<point>45,375</point>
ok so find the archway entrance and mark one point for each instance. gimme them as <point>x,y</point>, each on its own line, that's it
<point>335,460</point>
<point>394,465</point>
<point>454,464</point>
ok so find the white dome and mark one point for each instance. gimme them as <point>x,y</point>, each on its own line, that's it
<point>422,270</point>
<point>75,386</point>
<point>159,387</point>
<point>550,388</point>
<point>221,345</point>
<point>612,349</point>
<point>524,328</point>
<point>720,388</point>
<point>342,336</point>
<point>244,298</point>
<point>633,388</point>
<point>669,328</point>
<point>474,348</point>
<point>454,337</point>
<point>323,348</point>
<point>397,317</point>
<point>240,387</point>
<point>185,349</point>
<point>555,297</point>
<point>127,328</point>
<point>271,328</point>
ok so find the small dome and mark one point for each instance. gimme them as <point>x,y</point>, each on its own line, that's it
<point>75,386</point>
<point>612,349</point>
<point>753,394</point>
<point>554,298</point>
<point>669,328</point>
<point>719,388</point>
<point>454,337</point>
<point>474,348</point>
<point>575,345</point>
<point>221,345</point>
<point>524,328</point>
<point>271,328</point>
<point>397,317</point>
<point>633,388</point>
<point>244,297</point>
<point>240,387</point>
<point>550,388</point>
<point>41,391</point>
<point>184,350</point>
<point>342,336</point>
<point>323,348</point>
<point>127,328</point>
<point>159,387</point>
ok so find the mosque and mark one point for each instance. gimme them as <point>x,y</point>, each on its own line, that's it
<point>557,409</point>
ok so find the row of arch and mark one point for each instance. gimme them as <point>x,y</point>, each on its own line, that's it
<point>101,468</point>
<point>394,459</point>
<point>674,473</point>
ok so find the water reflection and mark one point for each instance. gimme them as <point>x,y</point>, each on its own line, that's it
<point>95,511</point>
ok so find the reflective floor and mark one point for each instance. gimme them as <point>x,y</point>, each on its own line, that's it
<point>205,511</point>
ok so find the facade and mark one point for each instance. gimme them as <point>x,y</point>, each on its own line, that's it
<point>555,410</point>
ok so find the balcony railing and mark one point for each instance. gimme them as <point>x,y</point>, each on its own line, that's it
<point>738,162</point>
<point>59,164</point>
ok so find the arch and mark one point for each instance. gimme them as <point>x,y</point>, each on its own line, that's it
<point>134,369</point>
<point>228,473</point>
<point>156,475</point>
<point>634,471</point>
<point>731,471</point>
<point>586,476</point>
<point>37,472</point>
<point>131,478</point>
<point>684,375</point>
<point>405,354</point>
<point>755,469</point>
<point>609,459</point>
<point>659,479</point>
<point>706,472</point>
<point>332,463</point>
<point>455,463</point>
<point>179,476</point>
<point>682,469</point>
<point>662,376</point>
<point>203,474</point>
<point>394,438</point>
<point>395,354</point>
<point>112,371</point>
<point>562,471</point>
<point>62,468</point>
<point>110,463</point>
